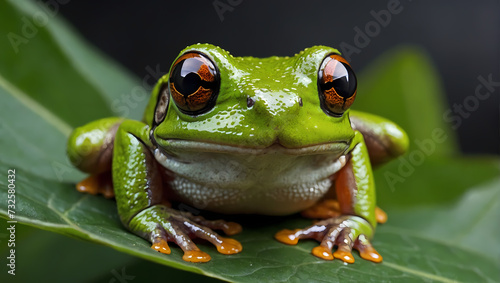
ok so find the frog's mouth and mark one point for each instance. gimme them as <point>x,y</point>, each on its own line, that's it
<point>231,179</point>
<point>175,145</point>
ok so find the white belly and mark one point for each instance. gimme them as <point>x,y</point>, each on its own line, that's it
<point>271,181</point>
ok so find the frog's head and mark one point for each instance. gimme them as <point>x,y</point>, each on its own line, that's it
<point>242,134</point>
<point>212,97</point>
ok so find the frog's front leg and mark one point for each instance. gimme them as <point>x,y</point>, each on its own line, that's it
<point>137,181</point>
<point>355,226</point>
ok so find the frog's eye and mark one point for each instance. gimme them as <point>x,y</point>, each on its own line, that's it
<point>194,83</point>
<point>336,85</point>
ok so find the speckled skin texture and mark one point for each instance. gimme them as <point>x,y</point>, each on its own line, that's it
<point>266,147</point>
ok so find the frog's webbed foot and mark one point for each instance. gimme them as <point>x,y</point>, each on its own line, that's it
<point>97,184</point>
<point>161,224</point>
<point>345,232</point>
<point>329,208</point>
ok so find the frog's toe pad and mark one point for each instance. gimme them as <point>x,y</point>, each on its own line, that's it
<point>341,232</point>
<point>160,245</point>
<point>366,250</point>
<point>229,246</point>
<point>231,228</point>
<point>196,256</point>
<point>323,253</point>
<point>344,256</point>
<point>288,237</point>
<point>380,215</point>
<point>371,256</point>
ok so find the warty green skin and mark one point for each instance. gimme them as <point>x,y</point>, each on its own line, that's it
<point>286,110</point>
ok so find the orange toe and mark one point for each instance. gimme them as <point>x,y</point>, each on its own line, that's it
<point>88,185</point>
<point>161,246</point>
<point>232,228</point>
<point>322,252</point>
<point>196,256</point>
<point>97,184</point>
<point>287,237</point>
<point>229,246</point>
<point>380,215</point>
<point>370,254</point>
<point>343,255</point>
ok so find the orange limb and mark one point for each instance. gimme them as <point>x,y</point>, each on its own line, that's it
<point>329,208</point>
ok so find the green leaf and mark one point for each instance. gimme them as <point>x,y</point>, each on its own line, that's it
<point>35,244</point>
<point>414,251</point>
<point>442,212</point>
<point>65,76</point>
<point>403,86</point>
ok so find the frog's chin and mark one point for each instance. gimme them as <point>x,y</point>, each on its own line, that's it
<point>273,180</point>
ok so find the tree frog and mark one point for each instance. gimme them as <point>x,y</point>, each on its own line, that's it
<point>244,135</point>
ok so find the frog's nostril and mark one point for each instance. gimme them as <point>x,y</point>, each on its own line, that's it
<point>250,102</point>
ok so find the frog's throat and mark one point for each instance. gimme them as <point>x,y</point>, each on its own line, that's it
<point>273,180</point>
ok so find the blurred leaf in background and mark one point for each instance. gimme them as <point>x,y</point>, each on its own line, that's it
<point>443,209</point>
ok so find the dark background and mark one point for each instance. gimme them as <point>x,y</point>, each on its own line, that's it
<point>462,38</point>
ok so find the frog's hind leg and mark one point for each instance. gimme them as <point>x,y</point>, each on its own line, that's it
<point>90,148</point>
<point>96,184</point>
<point>329,208</point>
<point>355,192</point>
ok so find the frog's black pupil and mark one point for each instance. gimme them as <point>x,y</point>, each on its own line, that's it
<point>344,82</point>
<point>189,84</point>
<point>185,77</point>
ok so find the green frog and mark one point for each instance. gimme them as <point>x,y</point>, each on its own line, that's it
<point>244,135</point>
